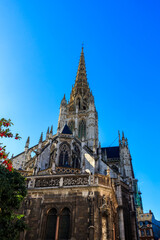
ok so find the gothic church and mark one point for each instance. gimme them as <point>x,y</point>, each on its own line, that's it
<point>78,190</point>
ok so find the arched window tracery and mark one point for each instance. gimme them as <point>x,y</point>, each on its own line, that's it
<point>51,224</point>
<point>64,224</point>
<point>82,129</point>
<point>76,157</point>
<point>58,225</point>
<point>64,155</point>
<point>79,103</point>
<point>71,125</point>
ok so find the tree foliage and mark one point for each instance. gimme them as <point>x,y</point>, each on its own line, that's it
<point>12,191</point>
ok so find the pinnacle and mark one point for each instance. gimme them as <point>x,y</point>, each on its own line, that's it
<point>51,131</point>
<point>47,134</point>
<point>41,138</point>
<point>27,142</point>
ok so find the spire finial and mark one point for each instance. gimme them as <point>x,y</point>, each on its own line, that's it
<point>82,45</point>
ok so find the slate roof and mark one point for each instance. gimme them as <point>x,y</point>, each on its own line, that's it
<point>66,130</point>
<point>112,152</point>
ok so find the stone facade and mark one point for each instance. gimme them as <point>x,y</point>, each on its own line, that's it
<point>149,227</point>
<point>77,189</point>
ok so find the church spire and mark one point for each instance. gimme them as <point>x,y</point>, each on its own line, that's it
<point>81,87</point>
<point>81,78</point>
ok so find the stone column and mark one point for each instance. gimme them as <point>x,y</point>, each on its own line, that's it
<point>120,210</point>
<point>110,226</point>
<point>134,226</point>
<point>57,228</point>
<point>121,224</point>
<point>91,216</point>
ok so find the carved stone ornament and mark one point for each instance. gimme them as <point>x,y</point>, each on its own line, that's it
<point>75,181</point>
<point>104,208</point>
<point>47,182</point>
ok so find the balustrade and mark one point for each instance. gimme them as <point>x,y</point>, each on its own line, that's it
<point>56,181</point>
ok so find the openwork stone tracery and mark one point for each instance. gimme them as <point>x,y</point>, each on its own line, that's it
<point>65,155</point>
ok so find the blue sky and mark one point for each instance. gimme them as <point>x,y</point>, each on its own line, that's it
<point>40,45</point>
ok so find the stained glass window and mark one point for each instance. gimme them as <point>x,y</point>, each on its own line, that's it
<point>64,155</point>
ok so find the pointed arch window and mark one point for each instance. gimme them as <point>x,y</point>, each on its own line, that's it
<point>79,103</point>
<point>64,225</point>
<point>84,103</point>
<point>51,224</point>
<point>76,157</point>
<point>58,226</point>
<point>82,129</point>
<point>71,125</point>
<point>64,155</point>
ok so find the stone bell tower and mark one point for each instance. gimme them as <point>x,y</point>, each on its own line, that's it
<point>80,112</point>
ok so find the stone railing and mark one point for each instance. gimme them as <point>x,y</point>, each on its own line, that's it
<point>59,170</point>
<point>47,171</point>
<point>56,181</point>
<point>25,173</point>
<point>64,170</point>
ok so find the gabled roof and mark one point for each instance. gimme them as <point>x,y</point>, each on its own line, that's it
<point>66,130</point>
<point>112,152</point>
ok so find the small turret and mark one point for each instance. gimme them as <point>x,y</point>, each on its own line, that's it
<point>124,141</point>
<point>125,158</point>
<point>62,114</point>
<point>64,101</point>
